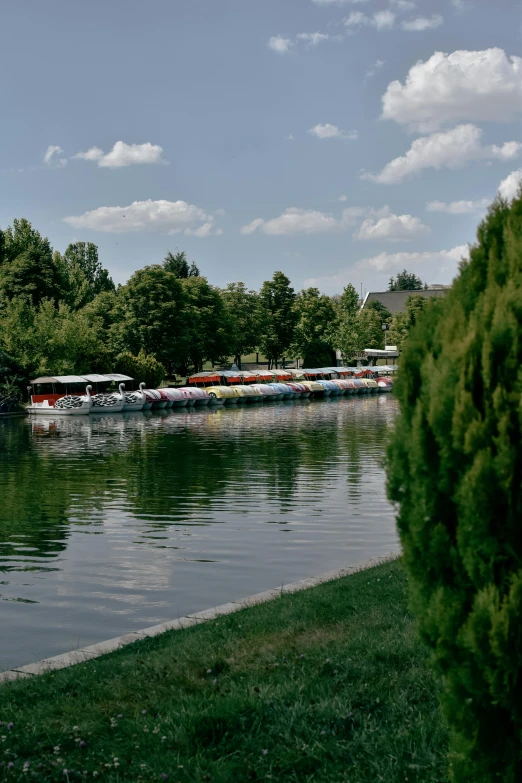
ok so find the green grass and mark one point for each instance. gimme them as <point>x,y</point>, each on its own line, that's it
<point>326,685</point>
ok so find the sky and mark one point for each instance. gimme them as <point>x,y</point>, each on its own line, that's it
<point>339,141</point>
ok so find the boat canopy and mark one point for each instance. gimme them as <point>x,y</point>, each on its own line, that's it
<point>116,376</point>
<point>205,377</point>
<point>97,378</point>
<point>59,379</point>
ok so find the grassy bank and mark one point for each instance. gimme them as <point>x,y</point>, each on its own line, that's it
<point>326,685</point>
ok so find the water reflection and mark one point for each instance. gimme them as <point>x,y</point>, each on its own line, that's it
<point>110,523</point>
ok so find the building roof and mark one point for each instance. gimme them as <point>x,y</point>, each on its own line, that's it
<point>395,301</point>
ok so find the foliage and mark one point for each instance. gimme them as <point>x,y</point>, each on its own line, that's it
<point>402,322</point>
<point>317,317</point>
<point>52,340</point>
<point>12,370</point>
<point>326,685</point>
<point>406,281</point>
<point>10,393</point>
<point>143,368</point>
<point>27,267</point>
<point>179,266</point>
<point>455,467</point>
<point>242,308</point>
<point>208,323</point>
<point>383,311</point>
<point>356,329</point>
<point>84,276</point>
<point>277,316</point>
<point>153,316</point>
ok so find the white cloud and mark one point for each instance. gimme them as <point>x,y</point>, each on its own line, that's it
<point>327,131</point>
<point>123,154</point>
<point>458,207</point>
<point>165,216</point>
<point>432,265</point>
<point>374,68</point>
<point>342,198</point>
<point>445,149</point>
<point>289,137</point>
<point>51,156</point>
<point>280,44</point>
<point>509,186</point>
<point>294,221</point>
<point>464,85</point>
<point>312,38</point>
<point>308,221</point>
<point>394,228</point>
<point>423,23</point>
<point>381,20</point>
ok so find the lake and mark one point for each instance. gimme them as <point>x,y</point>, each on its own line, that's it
<point>112,523</point>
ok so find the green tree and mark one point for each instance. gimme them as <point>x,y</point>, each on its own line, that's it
<point>154,316</point>
<point>143,368</point>
<point>277,317</point>
<point>316,319</point>
<point>52,339</point>
<point>402,322</point>
<point>84,276</point>
<point>179,266</point>
<point>27,267</point>
<point>383,311</point>
<point>406,281</point>
<point>344,334</point>
<point>208,324</point>
<point>242,308</point>
<point>454,468</point>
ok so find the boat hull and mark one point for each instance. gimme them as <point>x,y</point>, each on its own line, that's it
<point>49,410</point>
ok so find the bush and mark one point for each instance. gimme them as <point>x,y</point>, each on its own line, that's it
<point>455,470</point>
<point>143,367</point>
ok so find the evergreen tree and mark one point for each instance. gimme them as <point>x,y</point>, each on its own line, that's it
<point>454,468</point>
<point>406,281</point>
<point>179,266</point>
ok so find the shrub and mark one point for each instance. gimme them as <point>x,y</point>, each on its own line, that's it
<point>455,470</point>
<point>143,367</point>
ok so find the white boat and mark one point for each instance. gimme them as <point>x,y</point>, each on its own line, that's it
<point>60,395</point>
<point>106,402</point>
<point>135,400</point>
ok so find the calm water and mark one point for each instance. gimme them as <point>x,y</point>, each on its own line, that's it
<point>112,523</point>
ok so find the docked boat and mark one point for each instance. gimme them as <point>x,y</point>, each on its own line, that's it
<point>385,384</point>
<point>61,395</point>
<point>300,389</point>
<point>221,395</point>
<point>315,388</point>
<point>200,396</point>
<point>104,401</point>
<point>330,387</point>
<point>371,384</point>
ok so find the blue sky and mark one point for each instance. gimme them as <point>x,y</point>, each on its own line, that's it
<point>231,130</point>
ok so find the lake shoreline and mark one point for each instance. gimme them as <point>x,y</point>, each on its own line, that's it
<point>84,654</point>
<point>328,683</point>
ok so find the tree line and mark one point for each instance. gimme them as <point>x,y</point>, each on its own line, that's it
<point>61,313</point>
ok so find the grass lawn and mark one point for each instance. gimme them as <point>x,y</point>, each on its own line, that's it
<point>325,685</point>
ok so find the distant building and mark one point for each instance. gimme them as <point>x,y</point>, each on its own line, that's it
<point>395,301</point>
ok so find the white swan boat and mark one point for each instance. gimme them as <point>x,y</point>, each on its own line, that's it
<point>60,395</point>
